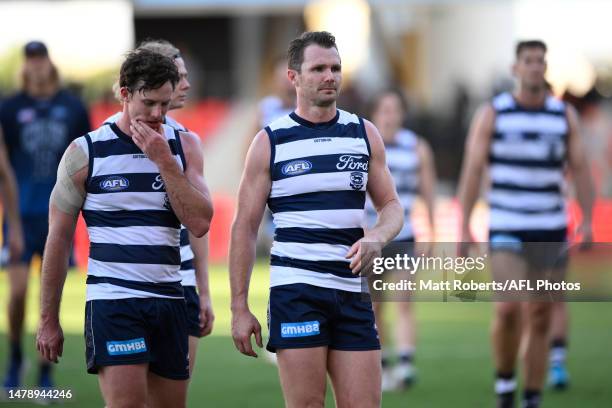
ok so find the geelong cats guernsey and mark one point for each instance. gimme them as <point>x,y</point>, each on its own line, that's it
<point>404,165</point>
<point>319,175</point>
<point>527,158</point>
<point>187,266</point>
<point>134,234</point>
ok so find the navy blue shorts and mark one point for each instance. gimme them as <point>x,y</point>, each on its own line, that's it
<point>192,301</point>
<point>302,316</point>
<point>35,230</point>
<point>544,249</point>
<point>137,331</point>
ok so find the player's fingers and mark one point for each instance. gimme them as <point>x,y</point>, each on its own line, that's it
<point>353,250</point>
<point>258,339</point>
<point>248,347</point>
<point>60,348</point>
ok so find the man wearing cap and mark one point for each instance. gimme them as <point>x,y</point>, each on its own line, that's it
<point>38,123</point>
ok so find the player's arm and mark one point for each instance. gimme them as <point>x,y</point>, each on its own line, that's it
<point>252,196</point>
<point>579,167</point>
<point>384,197</point>
<point>10,200</point>
<point>427,183</point>
<point>199,246</point>
<point>475,159</point>
<point>187,191</point>
<point>65,203</point>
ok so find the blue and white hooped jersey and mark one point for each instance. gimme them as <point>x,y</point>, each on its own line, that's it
<point>404,165</point>
<point>319,176</point>
<point>187,267</point>
<point>134,234</point>
<point>526,166</point>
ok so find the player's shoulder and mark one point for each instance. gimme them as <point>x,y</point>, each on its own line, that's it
<point>284,122</point>
<point>502,102</point>
<point>112,118</point>
<point>554,104</point>
<point>170,121</point>
<point>14,101</point>
<point>345,118</point>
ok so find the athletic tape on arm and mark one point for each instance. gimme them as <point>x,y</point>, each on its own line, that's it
<point>65,195</point>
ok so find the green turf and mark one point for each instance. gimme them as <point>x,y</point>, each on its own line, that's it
<point>453,356</point>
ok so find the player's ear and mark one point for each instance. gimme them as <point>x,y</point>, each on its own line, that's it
<point>292,75</point>
<point>124,93</point>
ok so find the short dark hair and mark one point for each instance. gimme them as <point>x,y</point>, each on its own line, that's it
<point>295,53</point>
<point>521,45</point>
<point>144,70</point>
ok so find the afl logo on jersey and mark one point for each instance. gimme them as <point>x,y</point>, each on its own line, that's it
<point>114,183</point>
<point>296,167</point>
<point>356,180</point>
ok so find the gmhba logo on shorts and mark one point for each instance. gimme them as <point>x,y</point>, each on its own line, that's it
<point>296,167</point>
<point>116,348</point>
<point>114,183</point>
<point>301,329</point>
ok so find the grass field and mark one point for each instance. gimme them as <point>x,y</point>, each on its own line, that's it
<point>453,355</point>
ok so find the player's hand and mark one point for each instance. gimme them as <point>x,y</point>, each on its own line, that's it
<point>207,317</point>
<point>50,340</point>
<point>586,232</point>
<point>466,242</point>
<point>15,243</point>
<point>362,254</point>
<point>151,142</point>
<point>244,324</point>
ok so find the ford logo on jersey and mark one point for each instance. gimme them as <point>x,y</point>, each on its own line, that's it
<point>114,183</point>
<point>296,167</point>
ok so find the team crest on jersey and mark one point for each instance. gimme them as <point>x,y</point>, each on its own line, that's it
<point>357,180</point>
<point>113,184</point>
<point>296,167</point>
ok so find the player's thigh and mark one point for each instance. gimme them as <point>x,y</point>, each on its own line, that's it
<point>356,378</point>
<point>193,351</point>
<point>303,375</point>
<point>165,392</point>
<point>124,385</point>
<point>18,274</point>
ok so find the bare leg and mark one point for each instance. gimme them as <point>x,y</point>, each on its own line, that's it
<point>193,349</point>
<point>124,386</point>
<point>355,376</point>
<point>166,393</point>
<point>303,376</point>
<point>537,315</point>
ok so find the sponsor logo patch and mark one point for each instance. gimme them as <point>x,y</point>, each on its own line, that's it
<point>352,162</point>
<point>114,183</point>
<point>302,329</point>
<point>116,348</point>
<point>296,167</point>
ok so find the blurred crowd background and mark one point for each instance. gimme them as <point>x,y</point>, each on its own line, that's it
<point>447,56</point>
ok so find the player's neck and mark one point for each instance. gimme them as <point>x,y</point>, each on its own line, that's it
<point>531,98</point>
<point>316,114</point>
<point>388,134</point>
<point>124,123</point>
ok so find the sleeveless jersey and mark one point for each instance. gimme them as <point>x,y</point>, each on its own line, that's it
<point>404,165</point>
<point>319,175</point>
<point>187,268</point>
<point>134,234</point>
<point>526,166</point>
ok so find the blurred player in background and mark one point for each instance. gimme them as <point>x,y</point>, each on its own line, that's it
<point>194,250</point>
<point>411,163</point>
<point>319,321</point>
<point>526,138</point>
<point>39,123</point>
